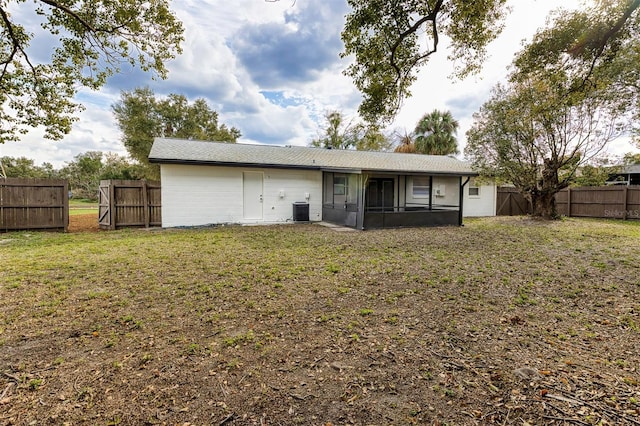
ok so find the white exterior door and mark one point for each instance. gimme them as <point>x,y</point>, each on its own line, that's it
<point>252,195</point>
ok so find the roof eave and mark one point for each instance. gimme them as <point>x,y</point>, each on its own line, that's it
<point>420,172</point>
<point>231,164</point>
<point>304,167</point>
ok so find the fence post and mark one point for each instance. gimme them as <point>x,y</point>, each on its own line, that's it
<point>626,201</point>
<point>145,202</point>
<point>569,202</point>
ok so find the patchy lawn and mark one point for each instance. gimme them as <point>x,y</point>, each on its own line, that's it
<point>83,207</point>
<point>504,321</point>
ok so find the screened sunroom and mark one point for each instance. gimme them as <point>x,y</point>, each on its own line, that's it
<point>371,200</point>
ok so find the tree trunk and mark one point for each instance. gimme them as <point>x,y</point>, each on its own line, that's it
<point>544,205</point>
<point>543,199</point>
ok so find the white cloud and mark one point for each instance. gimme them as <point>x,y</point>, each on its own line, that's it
<point>298,69</point>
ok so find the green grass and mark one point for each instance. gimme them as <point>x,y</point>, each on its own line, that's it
<point>250,315</point>
<point>75,212</point>
<point>83,202</point>
<point>79,206</point>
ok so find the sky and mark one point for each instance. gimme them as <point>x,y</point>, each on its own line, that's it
<point>273,69</point>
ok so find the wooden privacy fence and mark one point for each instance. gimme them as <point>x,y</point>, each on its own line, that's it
<point>129,203</point>
<point>617,201</point>
<point>30,204</point>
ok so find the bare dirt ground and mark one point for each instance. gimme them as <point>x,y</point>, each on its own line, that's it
<point>83,223</point>
<point>505,321</point>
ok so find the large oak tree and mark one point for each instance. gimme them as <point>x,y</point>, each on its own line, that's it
<point>573,89</point>
<point>530,135</point>
<point>141,117</point>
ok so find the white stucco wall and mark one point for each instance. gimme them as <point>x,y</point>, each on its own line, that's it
<point>446,191</point>
<point>484,204</point>
<point>195,195</point>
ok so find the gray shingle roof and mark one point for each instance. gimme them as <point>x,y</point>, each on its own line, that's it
<point>184,151</point>
<point>634,168</point>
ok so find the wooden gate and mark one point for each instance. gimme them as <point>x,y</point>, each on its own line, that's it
<point>129,203</point>
<point>510,202</point>
<point>104,204</point>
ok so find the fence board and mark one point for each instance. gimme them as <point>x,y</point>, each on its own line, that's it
<point>129,203</point>
<point>31,204</point>
<point>616,201</point>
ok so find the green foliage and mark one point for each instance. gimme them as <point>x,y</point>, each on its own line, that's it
<point>95,40</point>
<point>631,158</point>
<point>83,174</point>
<point>22,167</point>
<point>141,117</point>
<point>87,170</point>
<point>238,339</point>
<point>371,139</point>
<point>593,175</point>
<point>435,134</point>
<point>337,133</point>
<point>390,40</point>
<point>532,136</point>
<point>34,384</point>
<point>340,134</point>
<point>596,50</point>
<point>116,166</point>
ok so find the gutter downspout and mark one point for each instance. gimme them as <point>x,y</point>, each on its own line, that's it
<point>462,199</point>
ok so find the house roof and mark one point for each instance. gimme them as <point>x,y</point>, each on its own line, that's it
<point>183,151</point>
<point>634,168</point>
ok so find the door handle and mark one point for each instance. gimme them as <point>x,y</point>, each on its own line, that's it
<point>260,197</point>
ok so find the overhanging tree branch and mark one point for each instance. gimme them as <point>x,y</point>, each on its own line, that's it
<point>95,38</point>
<point>412,30</point>
<point>606,38</point>
<point>70,12</point>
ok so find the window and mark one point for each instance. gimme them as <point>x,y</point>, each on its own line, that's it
<point>339,189</point>
<point>474,191</point>
<point>339,185</point>
<point>421,187</point>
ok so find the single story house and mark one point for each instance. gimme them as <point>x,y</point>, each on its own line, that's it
<point>214,183</point>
